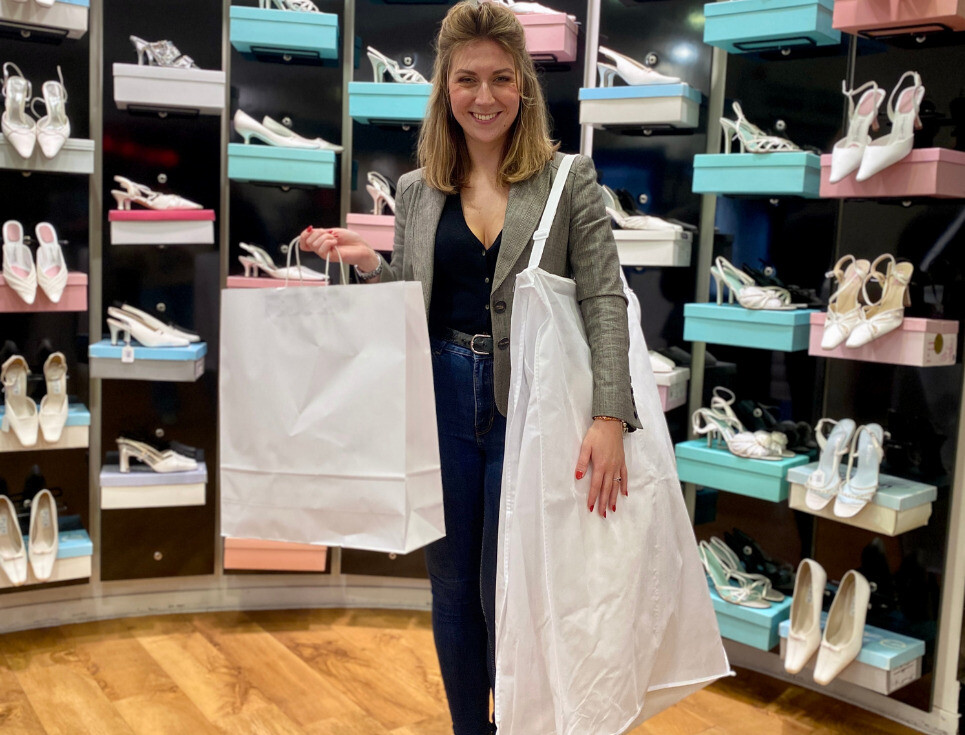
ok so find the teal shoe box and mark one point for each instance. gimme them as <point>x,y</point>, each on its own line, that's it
<point>753,627</point>
<point>716,467</point>
<point>880,648</point>
<point>120,362</point>
<point>787,173</point>
<point>265,31</point>
<point>276,165</point>
<point>388,102</point>
<point>104,349</point>
<point>741,26</point>
<point>732,324</point>
<point>71,544</point>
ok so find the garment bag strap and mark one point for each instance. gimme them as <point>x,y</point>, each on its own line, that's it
<point>549,213</point>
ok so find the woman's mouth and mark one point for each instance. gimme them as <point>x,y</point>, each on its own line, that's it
<point>480,117</point>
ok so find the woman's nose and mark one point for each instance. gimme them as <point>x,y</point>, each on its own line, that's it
<point>485,94</point>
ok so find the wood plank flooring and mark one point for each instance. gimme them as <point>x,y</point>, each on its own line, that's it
<point>316,672</point>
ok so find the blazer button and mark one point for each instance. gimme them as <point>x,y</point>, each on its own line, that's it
<point>499,307</point>
<point>503,343</point>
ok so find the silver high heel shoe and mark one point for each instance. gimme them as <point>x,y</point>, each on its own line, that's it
<point>19,129</point>
<point>161,53</point>
<point>382,192</point>
<point>53,129</point>
<point>381,64</point>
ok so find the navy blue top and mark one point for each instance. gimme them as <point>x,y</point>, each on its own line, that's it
<point>462,274</point>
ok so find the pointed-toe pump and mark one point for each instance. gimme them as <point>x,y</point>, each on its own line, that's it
<point>134,193</point>
<point>382,192</point>
<point>19,271</point>
<point>382,65</point>
<point>53,129</point>
<point>804,635</point>
<point>629,70</point>
<point>19,409</point>
<point>861,483</point>
<point>51,267</point>
<point>13,555</point>
<point>42,541</point>
<point>258,259</point>
<point>53,406</point>
<point>628,221</point>
<point>887,150</point>
<point>158,461</point>
<point>124,325</point>
<point>885,315</point>
<point>824,482</point>
<point>844,629</point>
<point>844,306</point>
<point>19,129</point>
<point>288,135</point>
<point>153,322</point>
<point>847,152</point>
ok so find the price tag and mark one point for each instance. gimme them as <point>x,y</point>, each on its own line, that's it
<point>127,354</point>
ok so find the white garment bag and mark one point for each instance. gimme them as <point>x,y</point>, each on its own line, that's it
<point>328,419</point>
<point>600,623</point>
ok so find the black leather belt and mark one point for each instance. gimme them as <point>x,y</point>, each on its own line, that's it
<point>481,344</point>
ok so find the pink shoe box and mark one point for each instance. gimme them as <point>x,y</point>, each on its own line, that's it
<point>278,556</point>
<point>925,172</point>
<point>162,227</point>
<point>891,17</point>
<point>266,282</point>
<point>161,215</point>
<point>550,36</point>
<point>378,230</point>
<point>917,343</point>
<point>74,297</point>
<point>672,387</point>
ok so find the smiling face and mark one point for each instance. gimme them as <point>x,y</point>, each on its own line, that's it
<point>483,92</point>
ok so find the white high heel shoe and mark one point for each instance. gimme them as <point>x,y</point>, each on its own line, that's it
<point>844,308</point>
<point>161,53</point>
<point>276,134</point>
<point>746,444</point>
<point>748,294</point>
<point>53,129</point>
<point>152,322</point>
<point>19,129</point>
<point>18,263</point>
<point>861,484</point>
<point>804,636</point>
<point>891,148</point>
<point>260,260</point>
<point>135,193</point>
<point>844,629</point>
<point>19,409</point>
<point>382,192</point>
<point>750,137</point>
<point>660,363</point>
<point>824,483</point>
<point>732,565</point>
<point>885,315</point>
<point>51,266</point>
<point>629,70</point>
<point>168,461</point>
<point>286,134</point>
<point>720,404</point>
<point>13,555</point>
<point>129,327</point>
<point>847,152</point>
<point>381,64</point>
<point>745,593</point>
<point>44,535</point>
<point>627,221</point>
<point>53,406</point>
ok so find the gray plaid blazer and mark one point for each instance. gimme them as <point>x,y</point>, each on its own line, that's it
<point>580,246</point>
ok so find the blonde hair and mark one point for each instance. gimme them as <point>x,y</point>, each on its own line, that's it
<point>442,144</point>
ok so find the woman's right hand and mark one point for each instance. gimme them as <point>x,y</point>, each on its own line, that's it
<point>352,249</point>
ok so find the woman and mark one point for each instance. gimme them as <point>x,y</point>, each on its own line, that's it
<point>463,227</point>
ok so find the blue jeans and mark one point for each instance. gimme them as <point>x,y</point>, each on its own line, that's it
<point>462,565</point>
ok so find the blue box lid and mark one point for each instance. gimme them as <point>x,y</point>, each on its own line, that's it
<point>71,544</point>
<point>275,153</point>
<point>243,12</point>
<point>896,493</point>
<point>77,415</point>
<point>143,476</point>
<point>764,617</point>
<point>760,160</point>
<point>734,7</point>
<point>388,89</point>
<point>737,313</point>
<point>697,450</point>
<point>641,91</point>
<point>880,648</point>
<point>82,3</point>
<point>104,349</point>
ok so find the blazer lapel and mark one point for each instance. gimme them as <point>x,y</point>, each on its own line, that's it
<point>423,249</point>
<point>523,210</point>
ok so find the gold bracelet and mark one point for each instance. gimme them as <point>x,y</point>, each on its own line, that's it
<point>612,418</point>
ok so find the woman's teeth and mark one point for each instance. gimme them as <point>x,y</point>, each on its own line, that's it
<point>484,118</point>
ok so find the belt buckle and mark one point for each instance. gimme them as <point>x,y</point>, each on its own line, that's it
<point>472,344</point>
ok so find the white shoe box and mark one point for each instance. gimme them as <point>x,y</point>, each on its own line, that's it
<point>76,157</point>
<point>643,106</point>
<point>144,488</point>
<point>658,248</point>
<point>158,88</point>
<point>68,19</point>
<point>127,230</point>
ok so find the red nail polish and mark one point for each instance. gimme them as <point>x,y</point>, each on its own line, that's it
<point>579,475</point>
<point>310,228</point>
<point>604,513</point>
<point>591,509</point>
<point>614,508</point>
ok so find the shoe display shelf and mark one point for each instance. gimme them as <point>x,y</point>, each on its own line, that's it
<point>76,157</point>
<point>378,230</point>
<point>65,19</point>
<point>732,324</point>
<point>142,487</point>
<point>289,36</point>
<point>276,165</point>
<point>161,227</point>
<point>381,564</point>
<point>887,661</point>
<point>741,26</point>
<point>672,387</point>
<point>74,554</point>
<point>75,435</point>
<point>884,18</point>
<point>714,466</point>
<point>917,343</point>
<point>786,173</point>
<point>277,556</point>
<point>755,627</point>
<point>168,91</point>
<point>925,172</point>
<point>654,248</point>
<point>648,106</point>
<point>74,297</point>
<point>136,362</point>
<point>550,37</point>
<point>899,505</point>
<point>380,103</point>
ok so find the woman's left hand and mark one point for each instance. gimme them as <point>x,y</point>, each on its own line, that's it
<point>603,448</point>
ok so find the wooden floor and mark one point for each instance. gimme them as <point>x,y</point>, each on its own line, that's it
<point>320,672</point>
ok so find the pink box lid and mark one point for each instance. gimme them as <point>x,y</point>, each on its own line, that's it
<point>371,220</point>
<point>910,324</point>
<point>921,155</point>
<point>252,543</point>
<point>162,215</point>
<point>546,19</point>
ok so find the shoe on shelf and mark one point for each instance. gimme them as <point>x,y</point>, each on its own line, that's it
<point>751,138</point>
<point>43,537</point>
<point>757,561</point>
<point>887,150</point>
<point>804,635</point>
<point>161,53</point>
<point>135,193</point>
<point>844,629</point>
<point>154,322</point>
<point>382,191</point>
<point>627,221</point>
<point>748,294</point>
<point>51,266</point>
<point>286,134</point>
<point>276,134</point>
<point>259,260</point>
<point>13,555</point>
<point>847,153</point>
<point>720,404</point>
<point>18,263</point>
<point>19,409</point>
<point>844,306</point>
<point>660,363</point>
<point>53,129</point>
<point>861,483</point>
<point>824,483</point>
<point>885,315</point>
<point>53,406</point>
<point>746,444</point>
<point>745,593</point>
<point>732,565</point>
<point>629,70</point>
<point>382,65</point>
<point>150,333</point>
<point>301,6</point>
<point>19,129</point>
<point>164,462</point>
